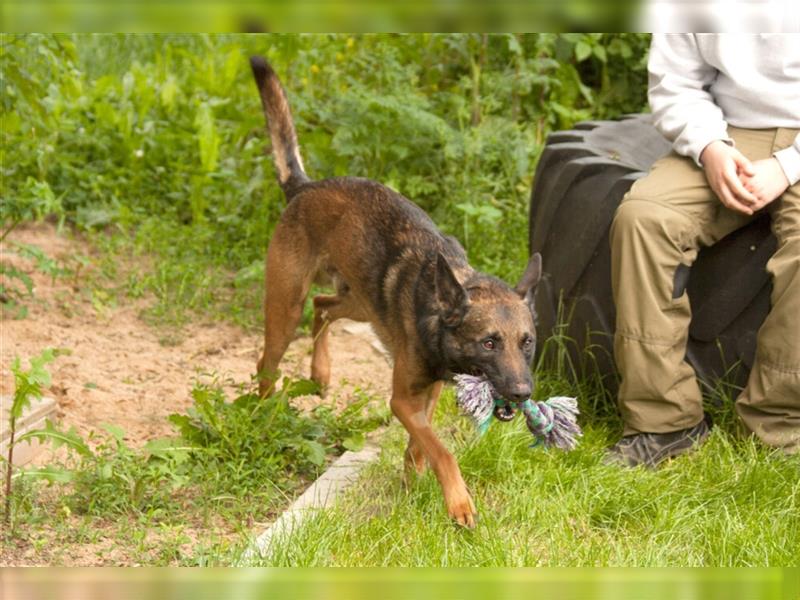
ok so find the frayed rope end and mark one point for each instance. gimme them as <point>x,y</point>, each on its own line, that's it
<point>553,422</point>
<point>475,399</point>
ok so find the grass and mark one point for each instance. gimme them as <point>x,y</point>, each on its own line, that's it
<point>732,503</point>
<point>184,500</point>
<point>50,533</point>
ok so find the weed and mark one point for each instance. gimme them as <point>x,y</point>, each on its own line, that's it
<point>42,263</point>
<point>240,457</point>
<point>238,446</point>
<point>28,386</point>
<point>16,285</point>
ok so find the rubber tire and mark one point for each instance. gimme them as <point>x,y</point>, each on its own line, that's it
<point>580,180</point>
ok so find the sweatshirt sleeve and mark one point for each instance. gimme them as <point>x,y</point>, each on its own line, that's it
<point>683,109</point>
<point>789,159</point>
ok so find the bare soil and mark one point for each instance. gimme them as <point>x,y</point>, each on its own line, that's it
<point>120,370</point>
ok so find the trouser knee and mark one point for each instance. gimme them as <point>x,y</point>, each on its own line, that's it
<point>640,217</point>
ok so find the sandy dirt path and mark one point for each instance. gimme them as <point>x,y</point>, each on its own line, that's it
<point>121,370</point>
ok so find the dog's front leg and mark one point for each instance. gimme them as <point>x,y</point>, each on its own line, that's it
<point>415,462</point>
<point>411,409</point>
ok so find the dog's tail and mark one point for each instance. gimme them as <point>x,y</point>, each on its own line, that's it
<point>285,150</point>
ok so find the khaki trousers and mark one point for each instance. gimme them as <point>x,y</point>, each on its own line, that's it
<point>660,224</point>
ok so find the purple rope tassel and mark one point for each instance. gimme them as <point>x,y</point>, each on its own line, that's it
<point>475,399</point>
<point>553,423</point>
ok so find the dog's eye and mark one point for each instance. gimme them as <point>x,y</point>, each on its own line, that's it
<point>488,344</point>
<point>527,343</point>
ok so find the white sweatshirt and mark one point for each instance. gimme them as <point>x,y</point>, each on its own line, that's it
<point>701,83</point>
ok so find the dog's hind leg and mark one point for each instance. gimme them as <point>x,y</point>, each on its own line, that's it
<point>320,359</point>
<point>290,270</point>
<point>328,309</point>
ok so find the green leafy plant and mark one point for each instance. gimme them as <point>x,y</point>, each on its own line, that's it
<point>42,263</point>
<point>35,201</point>
<point>108,476</point>
<point>133,136</point>
<point>346,428</point>
<point>244,448</point>
<point>16,286</point>
<point>28,385</point>
<point>241,444</point>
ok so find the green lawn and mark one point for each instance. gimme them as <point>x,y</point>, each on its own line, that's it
<point>731,503</point>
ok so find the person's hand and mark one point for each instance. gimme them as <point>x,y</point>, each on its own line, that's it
<point>725,168</point>
<point>767,182</point>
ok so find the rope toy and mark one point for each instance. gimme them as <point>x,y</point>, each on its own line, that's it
<point>553,423</point>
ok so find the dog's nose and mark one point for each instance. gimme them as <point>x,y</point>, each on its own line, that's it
<point>520,392</point>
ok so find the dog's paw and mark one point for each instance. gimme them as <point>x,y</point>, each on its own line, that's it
<point>463,512</point>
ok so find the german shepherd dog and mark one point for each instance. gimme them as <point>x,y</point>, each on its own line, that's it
<point>393,268</point>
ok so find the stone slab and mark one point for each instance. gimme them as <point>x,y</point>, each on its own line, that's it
<point>32,418</point>
<point>322,494</point>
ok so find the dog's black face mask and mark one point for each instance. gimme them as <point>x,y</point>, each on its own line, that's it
<point>498,340</point>
<point>491,332</point>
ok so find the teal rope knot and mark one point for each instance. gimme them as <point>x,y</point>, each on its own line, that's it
<point>552,423</point>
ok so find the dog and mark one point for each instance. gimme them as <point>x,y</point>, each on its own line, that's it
<point>393,268</point>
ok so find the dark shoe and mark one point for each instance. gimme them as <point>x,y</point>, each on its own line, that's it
<point>651,449</point>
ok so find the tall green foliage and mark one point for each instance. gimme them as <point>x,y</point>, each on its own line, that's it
<point>162,137</point>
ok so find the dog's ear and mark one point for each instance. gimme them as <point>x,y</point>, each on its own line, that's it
<point>530,278</point>
<point>450,294</point>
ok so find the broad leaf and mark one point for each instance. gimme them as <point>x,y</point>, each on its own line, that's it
<point>355,442</point>
<point>49,473</point>
<point>300,387</point>
<point>582,51</point>
<point>28,384</point>
<point>315,452</point>
<point>58,438</point>
<point>174,448</point>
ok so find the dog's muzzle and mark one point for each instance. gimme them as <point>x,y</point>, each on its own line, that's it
<point>505,412</point>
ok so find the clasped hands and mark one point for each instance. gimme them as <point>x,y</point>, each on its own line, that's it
<point>741,184</point>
